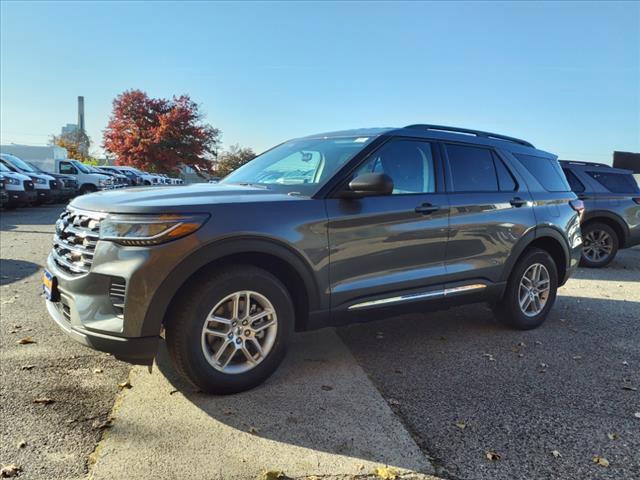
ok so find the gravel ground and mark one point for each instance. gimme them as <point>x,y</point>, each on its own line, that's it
<point>464,385</point>
<point>60,436</point>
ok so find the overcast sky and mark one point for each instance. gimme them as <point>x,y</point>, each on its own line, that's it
<point>565,76</point>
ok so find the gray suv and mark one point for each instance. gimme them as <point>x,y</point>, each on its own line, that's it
<point>611,219</point>
<point>322,230</point>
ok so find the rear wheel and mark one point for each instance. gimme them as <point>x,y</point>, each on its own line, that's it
<point>599,245</point>
<point>229,332</point>
<point>531,291</point>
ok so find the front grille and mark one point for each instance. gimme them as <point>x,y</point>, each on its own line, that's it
<point>75,240</point>
<point>117,293</point>
<point>69,183</point>
<point>28,185</point>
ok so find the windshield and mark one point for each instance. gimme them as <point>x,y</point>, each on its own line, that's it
<point>4,168</point>
<point>299,165</point>
<point>36,168</point>
<point>81,166</point>
<point>18,163</point>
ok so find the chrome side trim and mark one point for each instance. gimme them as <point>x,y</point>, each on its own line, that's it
<point>417,296</point>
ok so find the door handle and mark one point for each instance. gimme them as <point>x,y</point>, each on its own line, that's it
<point>517,202</point>
<point>427,208</point>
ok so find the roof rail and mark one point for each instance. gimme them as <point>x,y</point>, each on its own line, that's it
<point>587,164</point>
<point>477,133</point>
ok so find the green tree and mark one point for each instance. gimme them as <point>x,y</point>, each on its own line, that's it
<point>233,158</point>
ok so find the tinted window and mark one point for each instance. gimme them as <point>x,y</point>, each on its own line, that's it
<point>575,184</point>
<point>616,182</point>
<point>505,179</point>
<point>409,163</point>
<point>546,170</point>
<point>472,169</point>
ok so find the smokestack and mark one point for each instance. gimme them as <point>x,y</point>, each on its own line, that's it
<point>81,114</point>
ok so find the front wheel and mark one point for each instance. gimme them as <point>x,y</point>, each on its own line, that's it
<point>228,332</point>
<point>531,291</point>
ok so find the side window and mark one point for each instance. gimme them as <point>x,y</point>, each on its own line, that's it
<point>505,179</point>
<point>616,182</point>
<point>472,169</point>
<point>408,162</point>
<point>575,184</point>
<point>546,170</point>
<point>67,168</point>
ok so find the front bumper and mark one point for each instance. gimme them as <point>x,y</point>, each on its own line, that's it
<point>22,197</point>
<point>140,350</point>
<point>88,313</point>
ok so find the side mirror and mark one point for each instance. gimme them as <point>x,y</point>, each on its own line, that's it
<point>369,185</point>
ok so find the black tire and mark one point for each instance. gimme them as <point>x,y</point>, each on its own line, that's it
<point>189,311</point>
<point>87,188</point>
<point>594,229</point>
<point>508,310</point>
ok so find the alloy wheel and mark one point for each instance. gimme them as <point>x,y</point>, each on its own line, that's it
<point>239,332</point>
<point>597,246</point>
<point>534,289</point>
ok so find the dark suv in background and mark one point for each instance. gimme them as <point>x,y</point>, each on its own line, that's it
<point>322,230</point>
<point>611,219</point>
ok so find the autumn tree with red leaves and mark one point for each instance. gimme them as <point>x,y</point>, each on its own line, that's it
<point>157,134</point>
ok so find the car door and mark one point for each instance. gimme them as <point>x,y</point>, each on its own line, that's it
<point>490,210</point>
<point>383,245</point>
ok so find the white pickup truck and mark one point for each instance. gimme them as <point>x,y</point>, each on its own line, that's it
<point>88,180</point>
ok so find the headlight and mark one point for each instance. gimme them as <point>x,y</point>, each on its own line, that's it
<point>39,181</point>
<point>149,229</point>
<point>12,181</point>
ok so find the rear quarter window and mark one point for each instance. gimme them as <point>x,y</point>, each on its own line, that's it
<point>546,170</point>
<point>616,182</point>
<point>575,184</point>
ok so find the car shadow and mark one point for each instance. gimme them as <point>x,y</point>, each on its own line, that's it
<point>319,399</point>
<point>15,270</point>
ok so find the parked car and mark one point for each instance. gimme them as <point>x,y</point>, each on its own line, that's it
<point>19,188</point>
<point>88,181</point>
<point>214,180</point>
<point>118,180</point>
<point>4,196</point>
<point>611,218</point>
<point>132,177</point>
<point>384,221</point>
<point>67,183</point>
<point>46,187</point>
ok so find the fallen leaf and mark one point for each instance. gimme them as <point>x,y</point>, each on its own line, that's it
<point>9,471</point>
<point>21,444</point>
<point>603,462</point>
<point>254,430</point>
<point>273,475</point>
<point>489,357</point>
<point>393,401</point>
<point>27,367</point>
<point>625,363</point>
<point>97,370</point>
<point>493,456</point>
<point>125,384</point>
<point>637,414</point>
<point>25,341</point>
<point>379,335</point>
<point>43,400</point>
<point>461,425</point>
<point>556,453</point>
<point>612,436</point>
<point>538,342</point>
<point>522,344</point>
<point>520,355</point>
<point>386,473</point>
<point>629,387</point>
<point>326,388</point>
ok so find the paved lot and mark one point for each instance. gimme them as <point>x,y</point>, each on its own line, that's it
<point>60,436</point>
<point>563,387</point>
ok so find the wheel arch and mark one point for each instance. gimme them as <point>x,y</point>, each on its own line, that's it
<point>610,219</point>
<point>546,238</point>
<point>286,264</point>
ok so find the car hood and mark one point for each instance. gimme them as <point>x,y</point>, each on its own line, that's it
<point>18,176</point>
<point>194,198</point>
